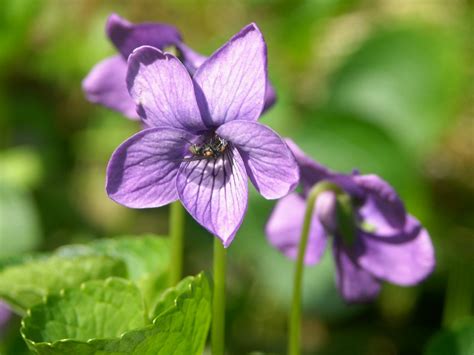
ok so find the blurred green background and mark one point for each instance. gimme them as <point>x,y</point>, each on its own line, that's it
<point>383,86</point>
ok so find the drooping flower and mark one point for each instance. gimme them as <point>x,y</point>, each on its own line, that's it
<point>106,82</point>
<point>382,242</point>
<point>203,140</point>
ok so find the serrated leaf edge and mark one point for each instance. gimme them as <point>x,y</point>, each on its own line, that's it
<point>176,304</point>
<point>61,293</point>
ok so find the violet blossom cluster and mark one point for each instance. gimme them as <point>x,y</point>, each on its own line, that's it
<point>201,142</point>
<point>106,84</point>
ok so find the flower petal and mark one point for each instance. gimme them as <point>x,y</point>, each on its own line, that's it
<point>311,172</point>
<point>105,84</point>
<point>270,96</point>
<point>5,314</point>
<point>354,283</point>
<point>285,225</point>
<point>382,208</point>
<point>192,60</point>
<point>233,79</point>
<point>269,162</point>
<point>163,90</point>
<point>127,36</point>
<point>215,192</point>
<point>142,170</point>
<point>404,260</point>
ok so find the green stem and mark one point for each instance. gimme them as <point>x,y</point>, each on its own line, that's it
<point>218,299</point>
<point>176,235</point>
<point>294,334</point>
<point>458,300</point>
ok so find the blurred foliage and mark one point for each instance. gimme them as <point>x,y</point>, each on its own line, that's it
<point>384,86</point>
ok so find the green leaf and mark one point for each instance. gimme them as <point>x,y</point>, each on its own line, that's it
<point>25,285</point>
<point>144,260</point>
<point>142,255</point>
<point>147,259</point>
<point>458,341</point>
<point>96,309</point>
<point>66,323</point>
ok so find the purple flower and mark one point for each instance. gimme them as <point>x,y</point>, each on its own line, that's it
<point>203,140</point>
<point>5,315</point>
<point>106,82</point>
<point>382,242</point>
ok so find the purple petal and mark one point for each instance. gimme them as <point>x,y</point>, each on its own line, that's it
<point>270,96</point>
<point>5,315</point>
<point>214,191</point>
<point>142,170</point>
<point>163,90</point>
<point>191,59</point>
<point>404,260</point>
<point>285,225</point>
<point>382,208</point>
<point>105,84</point>
<point>327,211</point>
<point>354,283</point>
<point>233,79</point>
<point>127,36</point>
<point>311,172</point>
<point>269,162</point>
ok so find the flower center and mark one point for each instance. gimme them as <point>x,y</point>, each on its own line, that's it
<point>213,147</point>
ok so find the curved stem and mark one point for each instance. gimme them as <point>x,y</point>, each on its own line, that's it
<point>176,235</point>
<point>218,299</point>
<point>294,334</point>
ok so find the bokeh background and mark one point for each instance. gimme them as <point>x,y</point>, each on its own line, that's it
<point>382,86</point>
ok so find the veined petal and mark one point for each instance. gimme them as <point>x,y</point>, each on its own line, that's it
<point>383,208</point>
<point>354,283</point>
<point>192,60</point>
<point>285,225</point>
<point>269,162</point>
<point>105,84</point>
<point>163,90</point>
<point>403,260</point>
<point>215,192</point>
<point>127,36</point>
<point>142,170</point>
<point>233,79</point>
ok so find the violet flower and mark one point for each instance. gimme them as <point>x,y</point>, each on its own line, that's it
<point>203,140</point>
<point>5,314</point>
<point>381,243</point>
<point>105,84</point>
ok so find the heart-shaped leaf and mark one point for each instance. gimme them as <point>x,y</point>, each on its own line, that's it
<point>98,318</point>
<point>25,285</point>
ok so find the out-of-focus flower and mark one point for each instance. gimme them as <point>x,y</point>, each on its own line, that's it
<point>203,140</point>
<point>5,315</point>
<point>106,82</point>
<point>374,238</point>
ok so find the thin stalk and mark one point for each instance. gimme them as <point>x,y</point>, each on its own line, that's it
<point>218,299</point>
<point>176,235</point>
<point>294,333</point>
